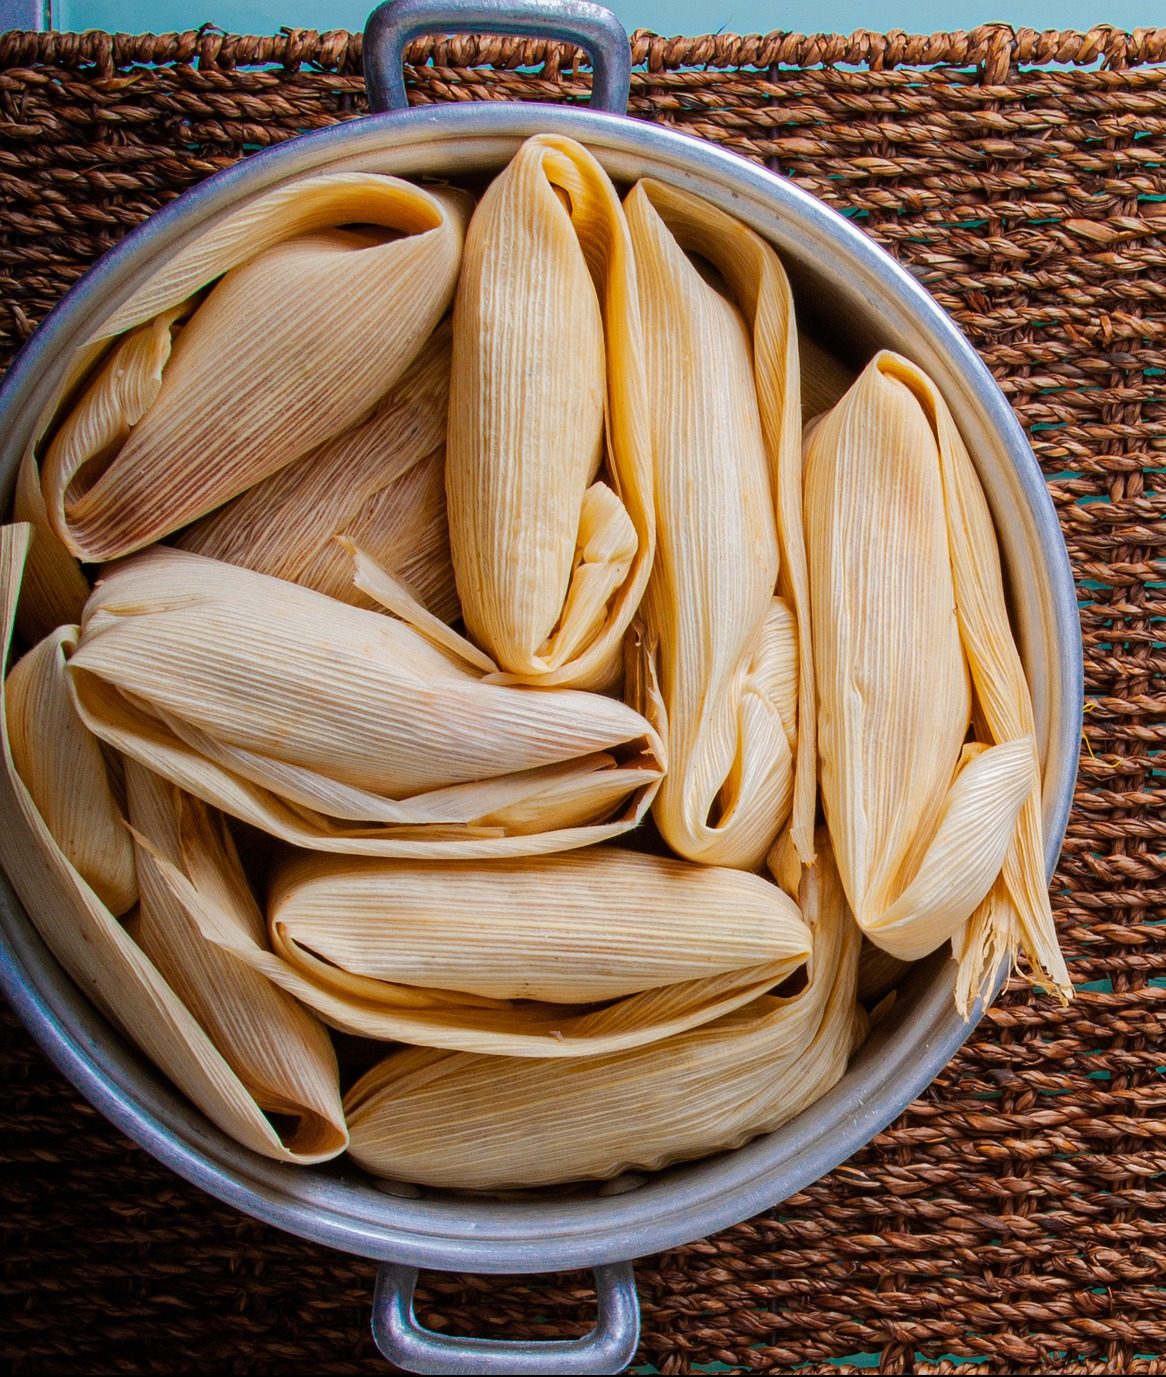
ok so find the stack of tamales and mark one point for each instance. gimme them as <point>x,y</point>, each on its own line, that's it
<point>453,650</point>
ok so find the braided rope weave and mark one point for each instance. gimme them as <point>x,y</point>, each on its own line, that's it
<point>1014,1215</point>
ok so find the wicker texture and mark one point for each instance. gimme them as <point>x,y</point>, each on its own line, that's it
<point>1015,1213</point>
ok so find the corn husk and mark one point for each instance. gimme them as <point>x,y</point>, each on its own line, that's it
<point>726,648</point>
<point>54,588</point>
<point>551,560</point>
<point>878,973</point>
<point>913,645</point>
<point>381,484</point>
<point>341,729</point>
<point>277,1049</point>
<point>254,375</point>
<point>98,953</point>
<point>825,378</point>
<point>491,1123</point>
<point>66,772</point>
<point>586,926</point>
<point>376,1008</point>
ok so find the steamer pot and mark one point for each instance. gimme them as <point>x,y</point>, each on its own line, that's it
<point>850,291</point>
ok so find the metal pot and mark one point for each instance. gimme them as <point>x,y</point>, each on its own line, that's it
<point>857,296</point>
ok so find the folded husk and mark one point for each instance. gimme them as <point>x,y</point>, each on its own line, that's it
<point>54,589</point>
<point>254,375</point>
<point>726,648</point>
<point>381,484</point>
<point>341,729</point>
<point>383,1009</point>
<point>281,1053</point>
<point>93,947</point>
<point>825,378</point>
<point>586,926</point>
<point>491,1123</point>
<point>550,562</point>
<point>907,596</point>
<point>66,772</point>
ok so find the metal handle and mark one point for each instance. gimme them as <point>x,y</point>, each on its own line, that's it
<point>588,26</point>
<point>609,1347</point>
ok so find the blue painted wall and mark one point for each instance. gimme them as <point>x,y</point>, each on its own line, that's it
<point>664,16</point>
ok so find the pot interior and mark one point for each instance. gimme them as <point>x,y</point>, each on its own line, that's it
<point>854,300</point>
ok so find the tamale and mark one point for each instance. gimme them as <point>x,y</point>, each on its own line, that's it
<point>487,1122</point>
<point>66,771</point>
<point>381,484</point>
<point>912,648</point>
<point>381,1008</point>
<point>253,374</point>
<point>726,647</point>
<point>280,1052</point>
<point>581,927</point>
<point>341,729</point>
<point>547,390</point>
<point>96,950</point>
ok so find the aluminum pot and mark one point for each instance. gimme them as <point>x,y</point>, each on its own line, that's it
<point>850,292</point>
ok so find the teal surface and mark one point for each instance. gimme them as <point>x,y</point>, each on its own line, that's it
<point>664,16</point>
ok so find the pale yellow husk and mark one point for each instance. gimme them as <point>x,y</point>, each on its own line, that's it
<point>491,1123</point>
<point>547,389</point>
<point>382,484</point>
<point>378,1008</point>
<point>585,926</point>
<point>912,646</point>
<point>201,399</point>
<point>66,772</point>
<point>726,647</point>
<point>281,1053</point>
<point>341,729</point>
<point>98,953</point>
<point>825,377</point>
<point>54,589</point>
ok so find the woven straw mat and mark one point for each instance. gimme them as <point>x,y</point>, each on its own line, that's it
<point>1011,1220</point>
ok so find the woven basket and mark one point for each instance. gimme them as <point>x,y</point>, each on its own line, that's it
<point>1014,1215</point>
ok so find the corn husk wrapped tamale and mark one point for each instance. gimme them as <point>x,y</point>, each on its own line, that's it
<point>96,950</point>
<point>551,560</point>
<point>491,1123</point>
<point>935,838</point>
<point>281,1053</point>
<point>254,376</point>
<point>341,729</point>
<point>66,772</point>
<point>576,928</point>
<point>726,647</point>
<point>381,484</point>
<point>380,1008</point>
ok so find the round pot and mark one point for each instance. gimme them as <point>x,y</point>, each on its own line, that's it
<point>852,293</point>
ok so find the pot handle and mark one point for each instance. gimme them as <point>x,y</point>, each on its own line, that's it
<point>589,26</point>
<point>609,1347</point>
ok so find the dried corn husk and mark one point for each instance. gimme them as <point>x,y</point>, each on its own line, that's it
<point>907,597</point>
<point>254,375</point>
<point>490,1123</point>
<point>550,561</point>
<point>582,927</point>
<point>878,973</point>
<point>54,588</point>
<point>825,378</point>
<point>725,646</point>
<point>340,729</point>
<point>66,772</point>
<point>277,1049</point>
<point>98,953</point>
<point>376,1008</point>
<point>382,484</point>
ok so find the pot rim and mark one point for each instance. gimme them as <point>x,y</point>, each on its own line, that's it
<point>336,1206</point>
